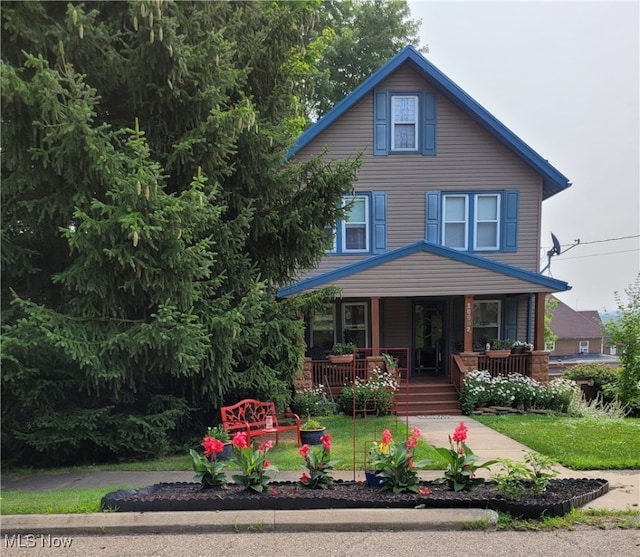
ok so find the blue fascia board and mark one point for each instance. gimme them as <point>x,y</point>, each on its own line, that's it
<point>553,180</point>
<point>325,279</point>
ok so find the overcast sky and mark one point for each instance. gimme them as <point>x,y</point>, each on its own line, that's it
<point>565,78</point>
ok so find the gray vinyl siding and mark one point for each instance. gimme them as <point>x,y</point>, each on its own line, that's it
<point>424,274</point>
<point>468,158</point>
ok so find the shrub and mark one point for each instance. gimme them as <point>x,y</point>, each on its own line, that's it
<point>515,390</point>
<point>375,395</point>
<point>604,378</point>
<point>312,402</point>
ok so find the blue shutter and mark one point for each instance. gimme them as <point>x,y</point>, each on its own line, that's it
<point>511,319</point>
<point>379,222</point>
<point>429,124</point>
<point>432,213</point>
<point>380,123</point>
<point>510,220</point>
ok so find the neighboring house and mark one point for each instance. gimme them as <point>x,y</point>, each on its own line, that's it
<point>581,340</point>
<point>578,332</point>
<point>440,251</point>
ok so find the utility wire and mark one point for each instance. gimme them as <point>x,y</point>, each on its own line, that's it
<point>601,241</point>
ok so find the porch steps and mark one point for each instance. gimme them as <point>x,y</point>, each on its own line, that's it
<point>428,398</point>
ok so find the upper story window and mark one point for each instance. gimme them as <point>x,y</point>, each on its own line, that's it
<point>364,228</point>
<point>404,122</point>
<point>473,221</point>
<point>355,227</point>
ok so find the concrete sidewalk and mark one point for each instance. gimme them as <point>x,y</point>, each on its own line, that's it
<point>624,494</point>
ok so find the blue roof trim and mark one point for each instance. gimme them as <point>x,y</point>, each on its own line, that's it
<point>553,180</point>
<point>371,262</point>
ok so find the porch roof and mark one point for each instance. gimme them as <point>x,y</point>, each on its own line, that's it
<point>521,280</point>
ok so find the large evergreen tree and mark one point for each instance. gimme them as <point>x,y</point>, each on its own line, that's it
<point>147,215</point>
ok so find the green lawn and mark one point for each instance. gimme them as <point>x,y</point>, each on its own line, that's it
<point>577,443</point>
<point>68,501</point>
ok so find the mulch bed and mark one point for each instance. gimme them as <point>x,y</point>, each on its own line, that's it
<point>560,497</point>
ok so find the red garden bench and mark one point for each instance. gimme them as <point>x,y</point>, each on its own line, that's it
<point>256,418</point>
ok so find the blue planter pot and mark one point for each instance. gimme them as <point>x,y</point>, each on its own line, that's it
<point>311,436</point>
<point>373,480</point>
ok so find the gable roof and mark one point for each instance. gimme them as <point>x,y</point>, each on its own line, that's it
<point>553,180</point>
<point>569,323</point>
<point>329,277</point>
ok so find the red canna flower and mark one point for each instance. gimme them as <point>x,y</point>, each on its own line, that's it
<point>387,438</point>
<point>212,445</point>
<point>240,440</point>
<point>304,478</point>
<point>460,433</point>
<point>304,451</point>
<point>267,463</point>
<point>326,441</point>
<point>425,491</point>
<point>411,443</point>
<point>265,446</point>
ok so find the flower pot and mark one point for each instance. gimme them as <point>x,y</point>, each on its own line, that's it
<point>498,353</point>
<point>225,454</point>
<point>373,480</point>
<point>311,436</point>
<point>517,350</point>
<point>341,359</point>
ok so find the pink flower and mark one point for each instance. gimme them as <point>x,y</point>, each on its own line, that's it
<point>212,445</point>
<point>425,491</point>
<point>416,433</point>
<point>460,433</point>
<point>240,440</point>
<point>267,463</point>
<point>411,443</point>
<point>265,446</point>
<point>304,451</point>
<point>304,478</point>
<point>387,438</point>
<point>274,491</point>
<point>326,441</point>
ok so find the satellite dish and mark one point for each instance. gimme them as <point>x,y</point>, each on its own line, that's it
<point>555,250</point>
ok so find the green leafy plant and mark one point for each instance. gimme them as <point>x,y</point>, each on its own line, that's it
<point>393,462</point>
<point>209,470</point>
<point>502,344</point>
<point>220,433</point>
<point>343,348</point>
<point>317,464</point>
<point>310,424</point>
<point>462,463</point>
<point>536,470</point>
<point>252,462</point>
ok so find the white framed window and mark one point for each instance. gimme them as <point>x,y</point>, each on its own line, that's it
<point>404,122</point>
<point>355,323</point>
<point>471,221</point>
<point>584,347</point>
<point>355,226</point>
<point>455,225</point>
<point>486,322</point>
<point>487,219</point>
<point>322,328</point>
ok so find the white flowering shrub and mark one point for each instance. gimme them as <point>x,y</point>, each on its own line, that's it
<point>515,390</point>
<point>312,401</point>
<point>375,394</point>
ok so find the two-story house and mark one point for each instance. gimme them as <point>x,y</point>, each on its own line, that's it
<point>439,253</point>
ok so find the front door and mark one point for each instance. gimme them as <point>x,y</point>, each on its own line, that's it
<point>428,329</point>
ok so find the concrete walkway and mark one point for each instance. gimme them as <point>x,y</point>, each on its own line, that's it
<point>624,494</point>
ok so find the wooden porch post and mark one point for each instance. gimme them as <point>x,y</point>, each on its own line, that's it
<point>375,326</point>
<point>538,330</point>
<point>468,324</point>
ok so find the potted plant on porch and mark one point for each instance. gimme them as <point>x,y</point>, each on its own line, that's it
<point>342,353</point>
<point>500,348</point>
<point>311,431</point>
